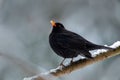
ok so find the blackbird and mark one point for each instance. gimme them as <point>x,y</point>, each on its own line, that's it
<point>68,44</point>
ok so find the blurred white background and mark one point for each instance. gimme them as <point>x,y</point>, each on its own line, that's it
<point>25,27</point>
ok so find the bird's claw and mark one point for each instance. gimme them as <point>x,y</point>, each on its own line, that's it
<point>62,65</point>
<point>71,61</point>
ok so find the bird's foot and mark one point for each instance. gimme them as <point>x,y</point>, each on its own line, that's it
<point>61,64</point>
<point>71,61</point>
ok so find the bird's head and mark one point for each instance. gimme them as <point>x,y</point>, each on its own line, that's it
<point>56,24</point>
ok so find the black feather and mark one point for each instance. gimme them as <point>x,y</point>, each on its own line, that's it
<point>68,44</point>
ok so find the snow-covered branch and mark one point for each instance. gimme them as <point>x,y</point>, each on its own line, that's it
<point>101,55</point>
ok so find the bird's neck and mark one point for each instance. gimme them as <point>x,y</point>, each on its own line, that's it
<point>58,30</point>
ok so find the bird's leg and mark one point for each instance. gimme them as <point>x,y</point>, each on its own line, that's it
<point>61,64</point>
<point>71,61</point>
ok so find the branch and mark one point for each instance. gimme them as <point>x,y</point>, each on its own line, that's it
<point>102,55</point>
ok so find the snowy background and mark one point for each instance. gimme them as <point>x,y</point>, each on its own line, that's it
<point>25,27</point>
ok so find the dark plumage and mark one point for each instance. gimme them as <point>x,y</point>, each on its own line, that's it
<point>68,44</point>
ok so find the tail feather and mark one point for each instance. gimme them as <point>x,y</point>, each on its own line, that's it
<point>93,47</point>
<point>102,47</point>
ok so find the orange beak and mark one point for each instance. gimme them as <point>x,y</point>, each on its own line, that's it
<point>53,23</point>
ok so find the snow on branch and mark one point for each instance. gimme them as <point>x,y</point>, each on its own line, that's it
<point>99,56</point>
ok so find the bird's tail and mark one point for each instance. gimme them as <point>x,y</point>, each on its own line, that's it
<point>103,47</point>
<point>94,46</point>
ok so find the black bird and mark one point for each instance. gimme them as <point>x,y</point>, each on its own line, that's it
<point>68,44</point>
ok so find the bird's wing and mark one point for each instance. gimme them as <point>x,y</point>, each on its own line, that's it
<point>71,40</point>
